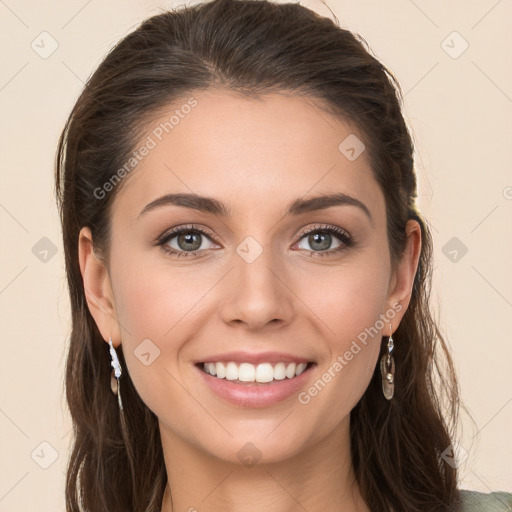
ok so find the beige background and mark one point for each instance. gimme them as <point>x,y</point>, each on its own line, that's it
<point>459,106</point>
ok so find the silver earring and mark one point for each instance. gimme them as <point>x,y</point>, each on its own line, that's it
<point>387,369</point>
<point>116,373</point>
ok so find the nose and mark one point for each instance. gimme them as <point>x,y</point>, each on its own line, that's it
<point>257,292</point>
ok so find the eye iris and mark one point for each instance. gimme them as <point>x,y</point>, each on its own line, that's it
<point>189,238</point>
<point>319,237</point>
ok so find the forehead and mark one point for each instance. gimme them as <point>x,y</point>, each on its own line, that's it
<point>255,154</point>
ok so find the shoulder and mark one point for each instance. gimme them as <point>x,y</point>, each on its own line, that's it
<point>473,501</point>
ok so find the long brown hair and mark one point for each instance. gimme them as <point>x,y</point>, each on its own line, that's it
<point>251,47</point>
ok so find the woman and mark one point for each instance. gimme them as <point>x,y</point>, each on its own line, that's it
<point>249,277</point>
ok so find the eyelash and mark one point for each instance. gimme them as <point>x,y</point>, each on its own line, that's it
<point>344,236</point>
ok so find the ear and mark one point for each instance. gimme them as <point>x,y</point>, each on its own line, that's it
<point>98,289</point>
<point>402,280</point>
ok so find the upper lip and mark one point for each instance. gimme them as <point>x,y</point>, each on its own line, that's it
<point>254,358</point>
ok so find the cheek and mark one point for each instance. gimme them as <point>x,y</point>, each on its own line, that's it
<point>152,300</point>
<point>348,299</point>
<point>350,306</point>
<point>159,309</point>
<point>146,308</point>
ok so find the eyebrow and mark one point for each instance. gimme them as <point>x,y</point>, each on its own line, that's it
<point>297,207</point>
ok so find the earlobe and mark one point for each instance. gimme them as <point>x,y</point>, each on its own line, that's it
<point>97,287</point>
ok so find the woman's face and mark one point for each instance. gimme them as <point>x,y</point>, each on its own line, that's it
<point>245,278</point>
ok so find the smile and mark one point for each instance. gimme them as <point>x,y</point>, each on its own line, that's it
<point>263,384</point>
<point>247,372</point>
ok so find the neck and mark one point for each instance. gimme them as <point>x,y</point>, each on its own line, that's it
<point>318,478</point>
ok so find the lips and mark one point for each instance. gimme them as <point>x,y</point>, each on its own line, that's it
<point>255,358</point>
<point>255,380</point>
<point>256,394</point>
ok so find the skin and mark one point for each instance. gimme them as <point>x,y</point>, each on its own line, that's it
<point>257,156</point>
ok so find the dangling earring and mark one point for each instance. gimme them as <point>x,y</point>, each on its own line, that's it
<point>116,373</point>
<point>387,369</point>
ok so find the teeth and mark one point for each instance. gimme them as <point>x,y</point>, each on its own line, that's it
<point>246,372</point>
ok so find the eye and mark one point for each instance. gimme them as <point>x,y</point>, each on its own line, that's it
<point>185,241</point>
<point>320,238</point>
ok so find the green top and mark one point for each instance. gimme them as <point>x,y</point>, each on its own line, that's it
<point>473,501</point>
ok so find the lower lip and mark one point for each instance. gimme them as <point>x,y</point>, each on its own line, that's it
<point>256,394</point>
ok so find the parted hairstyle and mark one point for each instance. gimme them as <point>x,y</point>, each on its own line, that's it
<point>248,47</point>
